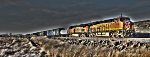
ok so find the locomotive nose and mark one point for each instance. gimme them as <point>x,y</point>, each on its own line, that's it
<point>127,24</point>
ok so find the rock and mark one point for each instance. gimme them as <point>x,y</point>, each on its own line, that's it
<point>17,47</point>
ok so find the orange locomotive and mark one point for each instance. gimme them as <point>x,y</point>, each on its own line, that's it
<point>116,27</point>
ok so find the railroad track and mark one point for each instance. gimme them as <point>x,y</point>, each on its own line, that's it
<point>98,38</point>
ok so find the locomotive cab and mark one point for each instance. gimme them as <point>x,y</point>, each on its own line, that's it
<point>78,30</point>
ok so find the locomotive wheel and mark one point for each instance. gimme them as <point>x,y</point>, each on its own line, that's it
<point>94,35</point>
<point>126,34</point>
<point>90,35</point>
<point>115,34</point>
<point>121,35</point>
<point>82,35</point>
<point>70,35</point>
<point>110,34</point>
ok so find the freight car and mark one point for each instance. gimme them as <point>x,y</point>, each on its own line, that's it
<point>49,33</point>
<point>42,33</point>
<point>55,32</point>
<point>116,27</point>
<point>140,35</point>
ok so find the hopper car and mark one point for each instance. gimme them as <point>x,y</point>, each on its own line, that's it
<point>50,33</point>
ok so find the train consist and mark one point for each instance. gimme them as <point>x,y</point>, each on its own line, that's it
<point>120,27</point>
<point>116,27</point>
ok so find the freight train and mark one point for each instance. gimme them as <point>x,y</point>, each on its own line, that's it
<point>120,27</point>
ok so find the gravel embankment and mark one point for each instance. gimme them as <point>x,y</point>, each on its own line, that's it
<point>18,47</point>
<point>44,47</point>
<point>94,48</point>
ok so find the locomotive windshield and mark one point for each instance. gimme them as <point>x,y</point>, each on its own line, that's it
<point>124,19</point>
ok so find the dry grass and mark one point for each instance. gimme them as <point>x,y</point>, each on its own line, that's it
<point>56,48</point>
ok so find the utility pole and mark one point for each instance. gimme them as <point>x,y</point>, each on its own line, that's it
<point>121,15</point>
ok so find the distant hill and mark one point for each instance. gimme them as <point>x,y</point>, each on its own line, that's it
<point>142,26</point>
